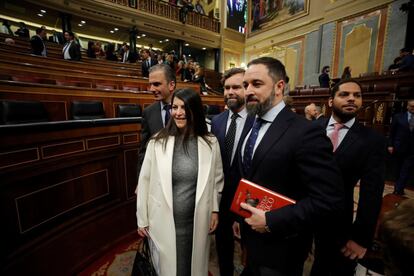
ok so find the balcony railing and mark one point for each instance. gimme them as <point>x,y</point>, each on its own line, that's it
<point>170,11</point>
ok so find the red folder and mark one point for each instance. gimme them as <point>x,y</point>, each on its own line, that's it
<point>257,196</point>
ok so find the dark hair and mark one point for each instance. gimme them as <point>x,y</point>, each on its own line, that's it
<point>146,51</point>
<point>336,87</point>
<point>276,68</point>
<point>39,30</point>
<point>71,34</point>
<point>346,73</point>
<point>196,120</point>
<point>230,73</point>
<point>169,74</point>
<point>406,49</point>
<point>324,68</point>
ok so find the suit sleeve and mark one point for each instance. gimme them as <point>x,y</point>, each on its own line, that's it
<point>143,187</point>
<point>78,55</point>
<point>145,136</point>
<point>393,130</point>
<point>218,176</point>
<point>322,184</point>
<point>370,194</point>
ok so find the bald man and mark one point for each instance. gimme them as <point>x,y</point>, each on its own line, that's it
<point>311,112</point>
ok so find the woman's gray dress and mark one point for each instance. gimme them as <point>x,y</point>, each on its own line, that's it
<point>184,182</point>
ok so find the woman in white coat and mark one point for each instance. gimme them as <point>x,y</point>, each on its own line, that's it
<point>177,196</point>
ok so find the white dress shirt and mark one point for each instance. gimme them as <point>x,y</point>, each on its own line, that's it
<point>65,50</point>
<point>240,121</point>
<point>342,132</point>
<point>269,117</point>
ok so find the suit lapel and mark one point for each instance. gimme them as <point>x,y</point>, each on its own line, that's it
<point>157,120</point>
<point>204,167</point>
<point>222,128</point>
<point>272,135</point>
<point>165,168</point>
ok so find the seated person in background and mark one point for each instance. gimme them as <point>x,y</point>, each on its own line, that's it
<point>9,41</point>
<point>5,28</point>
<point>110,52</point>
<point>180,69</point>
<point>324,79</point>
<point>22,31</point>
<point>56,37</point>
<point>397,236</point>
<point>37,43</point>
<point>99,52</point>
<point>319,114</point>
<point>91,50</point>
<point>186,75</point>
<point>199,78</point>
<point>199,8</point>
<point>310,112</point>
<point>169,60</point>
<point>128,56</point>
<point>407,60</point>
<point>395,65</point>
<point>71,50</point>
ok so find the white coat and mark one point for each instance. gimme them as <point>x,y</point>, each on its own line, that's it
<point>155,202</point>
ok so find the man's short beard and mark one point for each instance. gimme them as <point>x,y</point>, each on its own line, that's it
<point>234,105</point>
<point>260,109</point>
<point>344,116</point>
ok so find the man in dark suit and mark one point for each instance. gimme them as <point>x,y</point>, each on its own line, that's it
<point>401,145</point>
<point>228,127</point>
<point>162,84</point>
<point>360,155</point>
<point>289,155</point>
<point>56,37</point>
<point>147,62</point>
<point>37,43</point>
<point>324,79</point>
<point>71,50</point>
<point>127,55</point>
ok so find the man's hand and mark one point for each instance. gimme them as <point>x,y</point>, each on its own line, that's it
<point>391,150</point>
<point>236,230</point>
<point>258,219</point>
<point>142,231</point>
<point>213,222</point>
<point>353,250</point>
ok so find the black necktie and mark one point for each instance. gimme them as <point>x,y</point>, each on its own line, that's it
<point>230,136</point>
<point>167,115</point>
<point>248,149</point>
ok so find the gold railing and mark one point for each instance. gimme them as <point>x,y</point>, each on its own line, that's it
<point>167,10</point>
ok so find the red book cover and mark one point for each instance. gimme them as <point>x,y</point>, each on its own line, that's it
<point>257,196</point>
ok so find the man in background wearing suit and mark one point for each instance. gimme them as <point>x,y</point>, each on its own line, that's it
<point>401,145</point>
<point>360,154</point>
<point>228,127</point>
<point>71,50</point>
<point>37,43</point>
<point>127,55</point>
<point>289,155</point>
<point>162,84</point>
<point>147,62</point>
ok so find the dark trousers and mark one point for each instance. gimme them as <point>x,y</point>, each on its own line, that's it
<point>259,270</point>
<point>405,167</point>
<point>225,243</point>
<point>329,260</point>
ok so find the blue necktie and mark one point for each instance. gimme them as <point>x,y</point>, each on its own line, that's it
<point>167,116</point>
<point>248,149</point>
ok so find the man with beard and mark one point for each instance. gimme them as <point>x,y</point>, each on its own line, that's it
<point>360,155</point>
<point>289,155</point>
<point>228,127</point>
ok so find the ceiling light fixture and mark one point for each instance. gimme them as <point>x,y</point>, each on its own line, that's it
<point>138,36</point>
<point>189,55</point>
<point>83,22</point>
<point>166,40</point>
<point>116,29</point>
<point>186,44</point>
<point>80,25</point>
<point>42,11</point>
<point>40,14</point>
<point>111,31</point>
<point>204,48</point>
<point>160,41</point>
<point>143,35</point>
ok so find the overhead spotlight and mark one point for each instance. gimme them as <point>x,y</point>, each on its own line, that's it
<point>204,48</point>
<point>143,35</point>
<point>111,31</point>
<point>138,36</point>
<point>116,29</point>
<point>40,14</point>
<point>160,41</point>
<point>189,55</point>
<point>166,40</point>
<point>80,25</point>
<point>186,44</point>
<point>83,22</point>
<point>42,11</point>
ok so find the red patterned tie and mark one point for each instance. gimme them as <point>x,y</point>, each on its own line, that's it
<point>335,135</point>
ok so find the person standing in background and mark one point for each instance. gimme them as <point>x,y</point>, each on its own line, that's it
<point>324,79</point>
